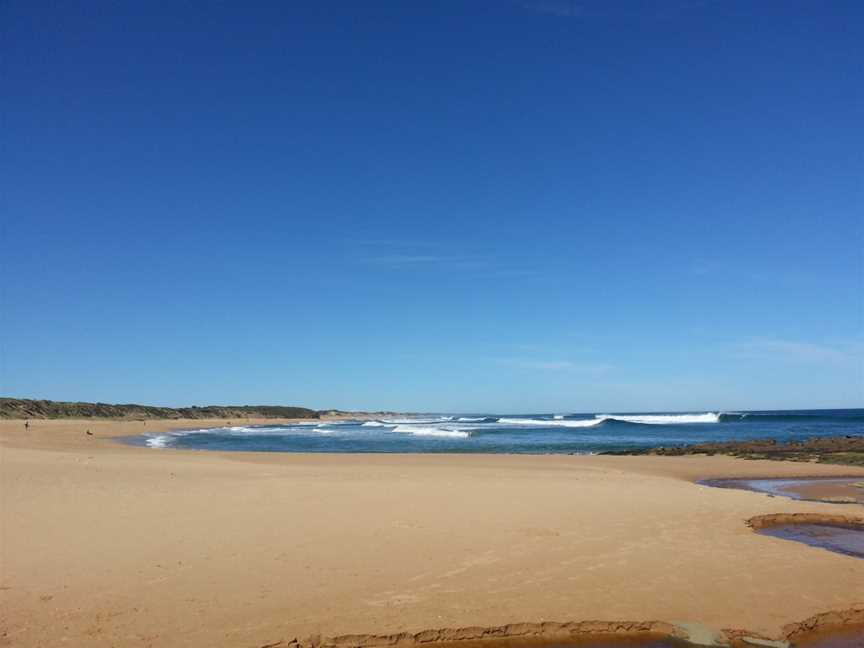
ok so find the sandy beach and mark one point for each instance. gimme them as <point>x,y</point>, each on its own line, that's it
<point>106,544</point>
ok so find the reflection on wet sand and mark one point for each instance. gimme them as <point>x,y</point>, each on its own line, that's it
<point>837,490</point>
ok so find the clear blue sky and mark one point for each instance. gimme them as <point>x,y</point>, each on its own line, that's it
<point>460,205</point>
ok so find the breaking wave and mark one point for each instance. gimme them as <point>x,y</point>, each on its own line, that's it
<point>662,419</point>
<point>159,441</point>
<point>552,422</point>
<point>421,430</point>
<point>521,433</point>
<point>168,439</point>
<point>412,421</point>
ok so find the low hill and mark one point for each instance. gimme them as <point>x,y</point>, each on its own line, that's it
<point>22,408</point>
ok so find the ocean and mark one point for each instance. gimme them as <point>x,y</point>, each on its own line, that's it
<point>521,434</point>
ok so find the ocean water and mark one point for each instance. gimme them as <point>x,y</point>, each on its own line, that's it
<point>562,433</point>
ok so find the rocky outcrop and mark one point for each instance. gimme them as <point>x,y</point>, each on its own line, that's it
<point>545,630</point>
<point>551,633</point>
<point>825,622</point>
<point>847,450</point>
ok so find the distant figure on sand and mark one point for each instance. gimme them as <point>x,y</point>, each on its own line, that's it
<point>27,424</point>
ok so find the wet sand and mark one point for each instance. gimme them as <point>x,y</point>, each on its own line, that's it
<point>841,491</point>
<point>835,490</point>
<point>104,544</point>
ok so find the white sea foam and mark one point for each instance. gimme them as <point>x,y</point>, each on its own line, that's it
<point>239,430</point>
<point>558,417</point>
<point>242,428</point>
<point>469,419</point>
<point>411,421</point>
<point>377,424</point>
<point>552,422</point>
<point>663,419</point>
<point>422,430</point>
<point>160,441</point>
<point>167,439</point>
<point>579,423</point>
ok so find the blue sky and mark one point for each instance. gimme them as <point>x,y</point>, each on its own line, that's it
<point>447,206</point>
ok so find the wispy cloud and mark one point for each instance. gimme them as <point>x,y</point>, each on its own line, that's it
<point>480,261</point>
<point>394,243</point>
<point>800,351</point>
<point>406,259</point>
<point>398,260</point>
<point>554,365</point>
<point>706,267</point>
<point>404,256</point>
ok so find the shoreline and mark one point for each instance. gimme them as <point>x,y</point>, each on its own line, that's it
<point>112,434</point>
<point>184,547</point>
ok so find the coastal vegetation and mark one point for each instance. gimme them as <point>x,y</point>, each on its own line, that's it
<point>22,408</point>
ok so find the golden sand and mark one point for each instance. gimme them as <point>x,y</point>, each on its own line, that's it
<point>105,544</point>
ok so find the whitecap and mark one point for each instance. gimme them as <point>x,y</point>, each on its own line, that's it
<point>552,422</point>
<point>420,430</point>
<point>160,441</point>
<point>663,419</point>
<point>411,421</point>
<point>240,428</point>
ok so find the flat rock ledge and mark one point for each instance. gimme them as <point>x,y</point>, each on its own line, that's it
<point>576,630</point>
<point>781,519</point>
<point>825,621</point>
<point>544,630</point>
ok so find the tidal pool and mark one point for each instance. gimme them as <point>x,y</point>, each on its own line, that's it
<point>836,490</point>
<point>848,638</point>
<point>840,538</point>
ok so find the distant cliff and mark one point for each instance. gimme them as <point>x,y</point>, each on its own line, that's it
<point>22,408</point>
